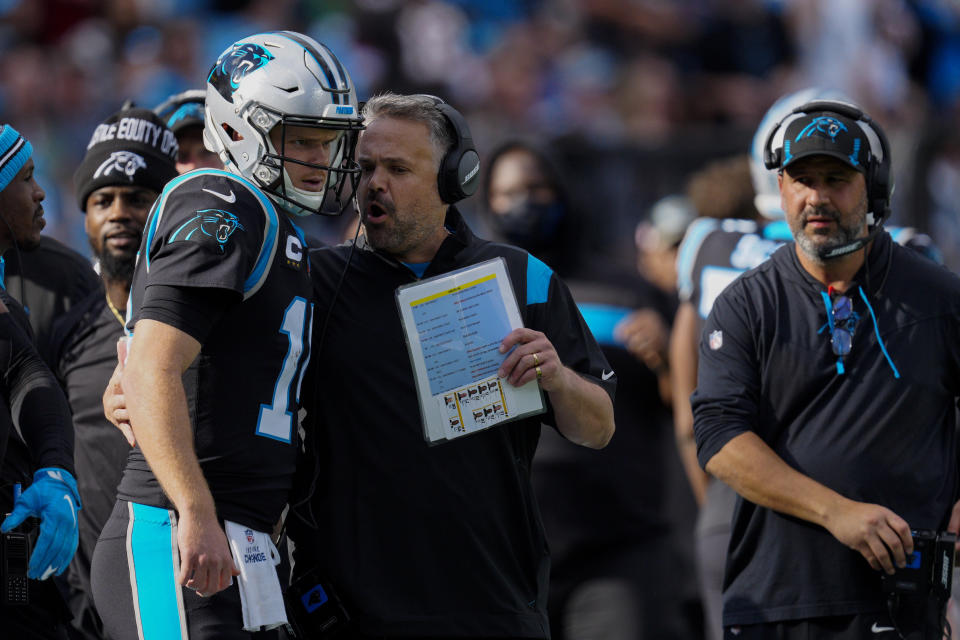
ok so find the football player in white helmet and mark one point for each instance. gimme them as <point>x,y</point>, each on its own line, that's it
<point>285,117</point>
<point>221,313</point>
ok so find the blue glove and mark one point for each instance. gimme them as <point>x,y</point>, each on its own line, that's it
<point>54,499</point>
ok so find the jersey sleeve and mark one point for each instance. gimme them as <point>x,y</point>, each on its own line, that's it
<point>552,310</point>
<point>209,230</point>
<point>726,400</point>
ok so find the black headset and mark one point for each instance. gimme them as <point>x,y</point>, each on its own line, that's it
<point>878,171</point>
<point>459,174</point>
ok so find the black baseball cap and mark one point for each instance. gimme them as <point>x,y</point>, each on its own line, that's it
<point>828,134</point>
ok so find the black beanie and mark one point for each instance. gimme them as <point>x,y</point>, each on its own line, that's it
<point>131,147</point>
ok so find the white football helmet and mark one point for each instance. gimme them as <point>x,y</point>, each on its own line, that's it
<point>766,191</point>
<point>279,79</point>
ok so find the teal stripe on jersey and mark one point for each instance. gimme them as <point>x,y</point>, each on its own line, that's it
<point>538,280</point>
<point>152,545</point>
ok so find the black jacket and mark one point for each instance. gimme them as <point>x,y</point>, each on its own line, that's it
<point>766,365</point>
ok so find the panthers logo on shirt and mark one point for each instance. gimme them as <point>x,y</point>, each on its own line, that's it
<point>234,63</point>
<point>215,224</point>
<point>123,162</point>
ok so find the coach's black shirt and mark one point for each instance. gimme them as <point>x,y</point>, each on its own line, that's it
<point>423,540</point>
<point>766,365</point>
<point>212,230</point>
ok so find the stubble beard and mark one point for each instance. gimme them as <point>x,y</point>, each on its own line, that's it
<point>844,234</point>
<point>400,237</point>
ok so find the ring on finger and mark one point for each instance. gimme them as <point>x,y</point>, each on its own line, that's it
<point>536,359</point>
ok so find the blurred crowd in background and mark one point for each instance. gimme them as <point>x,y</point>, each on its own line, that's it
<point>641,113</point>
<point>633,96</point>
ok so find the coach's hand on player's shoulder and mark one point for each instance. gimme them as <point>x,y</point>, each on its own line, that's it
<point>114,404</point>
<point>534,357</point>
<point>206,564</point>
<point>877,533</point>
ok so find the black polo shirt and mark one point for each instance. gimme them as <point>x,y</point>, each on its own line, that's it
<point>426,540</point>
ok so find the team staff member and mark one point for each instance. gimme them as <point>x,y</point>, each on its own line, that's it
<point>441,541</point>
<point>221,315</point>
<point>713,253</point>
<point>826,396</point>
<point>43,438</point>
<point>83,351</point>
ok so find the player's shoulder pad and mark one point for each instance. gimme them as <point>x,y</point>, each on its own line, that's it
<point>215,208</point>
<point>693,238</point>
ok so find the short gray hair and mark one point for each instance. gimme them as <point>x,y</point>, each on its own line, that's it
<point>418,108</point>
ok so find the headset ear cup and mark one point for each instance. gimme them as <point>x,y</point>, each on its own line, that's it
<point>879,191</point>
<point>468,173</point>
<point>459,170</point>
<point>447,178</point>
<point>771,158</point>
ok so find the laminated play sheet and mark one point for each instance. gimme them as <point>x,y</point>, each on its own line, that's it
<point>454,324</point>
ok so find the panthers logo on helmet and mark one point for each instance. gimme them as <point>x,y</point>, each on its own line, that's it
<point>211,223</point>
<point>125,162</point>
<point>234,63</point>
<point>823,126</point>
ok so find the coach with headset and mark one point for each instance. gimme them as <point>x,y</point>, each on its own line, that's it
<point>445,540</point>
<point>826,397</point>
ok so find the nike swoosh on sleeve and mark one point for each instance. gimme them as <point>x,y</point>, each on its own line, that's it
<point>231,198</point>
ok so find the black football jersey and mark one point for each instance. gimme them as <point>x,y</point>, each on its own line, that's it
<point>714,252</point>
<point>212,229</point>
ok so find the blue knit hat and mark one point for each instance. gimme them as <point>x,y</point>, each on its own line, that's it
<point>15,150</point>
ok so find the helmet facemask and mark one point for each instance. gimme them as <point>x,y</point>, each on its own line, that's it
<point>273,176</point>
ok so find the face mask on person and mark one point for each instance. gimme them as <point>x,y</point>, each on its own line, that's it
<point>530,225</point>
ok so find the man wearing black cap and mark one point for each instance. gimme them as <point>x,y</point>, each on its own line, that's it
<point>183,114</point>
<point>130,157</point>
<point>826,397</point>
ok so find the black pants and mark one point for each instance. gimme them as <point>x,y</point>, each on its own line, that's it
<point>135,588</point>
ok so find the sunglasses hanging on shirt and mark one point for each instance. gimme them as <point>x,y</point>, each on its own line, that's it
<point>842,323</point>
